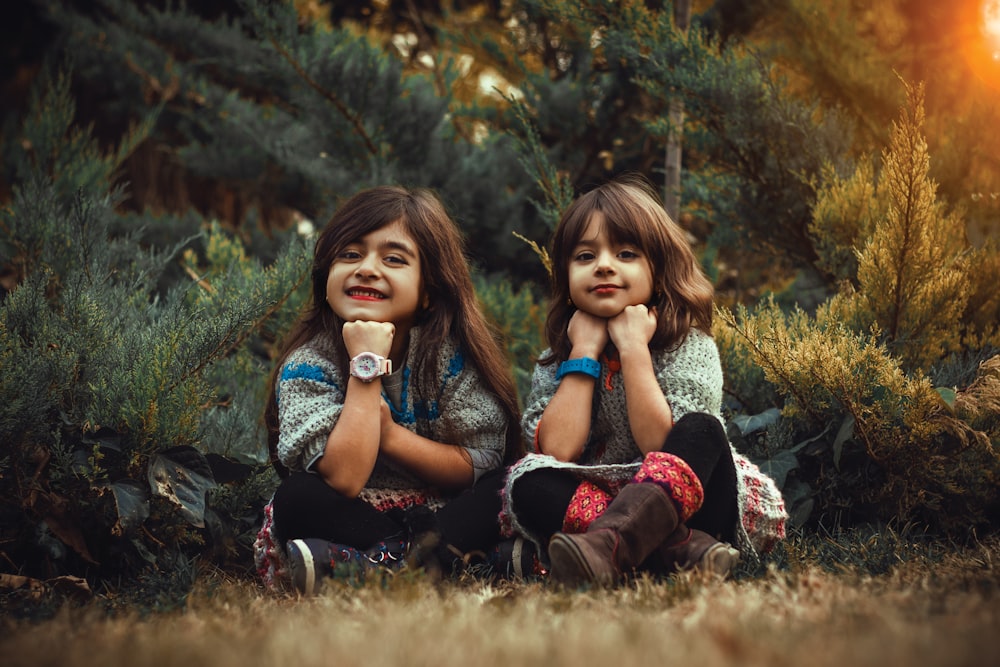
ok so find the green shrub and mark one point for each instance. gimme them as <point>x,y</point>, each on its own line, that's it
<point>521,320</point>
<point>129,405</point>
<point>869,432</point>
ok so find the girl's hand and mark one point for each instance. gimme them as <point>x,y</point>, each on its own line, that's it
<point>633,327</point>
<point>588,334</point>
<point>374,337</point>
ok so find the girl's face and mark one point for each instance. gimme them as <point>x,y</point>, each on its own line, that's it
<point>377,279</point>
<point>605,277</point>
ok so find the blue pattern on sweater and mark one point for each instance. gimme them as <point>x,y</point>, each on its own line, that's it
<point>404,416</point>
<point>302,372</point>
<point>455,366</point>
<point>427,409</point>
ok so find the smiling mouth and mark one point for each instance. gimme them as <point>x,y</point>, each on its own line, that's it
<point>363,294</point>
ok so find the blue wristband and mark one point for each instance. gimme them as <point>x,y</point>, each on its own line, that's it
<point>584,365</point>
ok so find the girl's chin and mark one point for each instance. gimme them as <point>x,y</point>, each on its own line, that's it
<point>603,313</point>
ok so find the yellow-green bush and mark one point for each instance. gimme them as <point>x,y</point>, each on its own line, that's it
<point>876,439</point>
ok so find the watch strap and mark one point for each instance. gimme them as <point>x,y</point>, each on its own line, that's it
<point>584,365</point>
<point>384,366</point>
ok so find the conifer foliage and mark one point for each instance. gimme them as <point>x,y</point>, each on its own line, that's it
<point>113,407</point>
<point>911,270</point>
<point>290,117</point>
<point>878,437</point>
<point>148,283</point>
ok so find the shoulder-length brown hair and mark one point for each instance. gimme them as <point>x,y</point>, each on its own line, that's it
<point>682,294</point>
<point>451,311</point>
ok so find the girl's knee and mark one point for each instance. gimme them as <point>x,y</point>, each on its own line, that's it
<point>543,487</point>
<point>298,492</point>
<point>522,491</point>
<point>698,427</point>
<point>701,421</point>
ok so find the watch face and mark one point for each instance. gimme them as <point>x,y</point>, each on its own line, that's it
<point>365,366</point>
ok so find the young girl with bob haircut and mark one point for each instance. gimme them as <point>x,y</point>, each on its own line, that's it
<point>630,465</point>
<point>392,409</point>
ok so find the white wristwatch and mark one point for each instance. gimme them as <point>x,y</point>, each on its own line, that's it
<point>367,366</point>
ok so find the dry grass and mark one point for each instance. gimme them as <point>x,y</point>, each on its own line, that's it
<point>941,613</point>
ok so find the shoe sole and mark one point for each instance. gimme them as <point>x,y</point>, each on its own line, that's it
<point>303,565</point>
<point>718,560</point>
<point>515,558</point>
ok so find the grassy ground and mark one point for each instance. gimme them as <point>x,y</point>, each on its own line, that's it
<point>939,608</point>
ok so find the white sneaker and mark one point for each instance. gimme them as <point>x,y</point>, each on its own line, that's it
<point>306,563</point>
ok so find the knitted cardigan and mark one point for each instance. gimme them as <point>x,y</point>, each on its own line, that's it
<point>690,377</point>
<point>457,409</point>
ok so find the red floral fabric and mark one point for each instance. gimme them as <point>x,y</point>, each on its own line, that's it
<point>588,502</point>
<point>675,476</point>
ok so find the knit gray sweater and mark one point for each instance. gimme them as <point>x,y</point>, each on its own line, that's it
<point>691,380</point>
<point>457,409</point>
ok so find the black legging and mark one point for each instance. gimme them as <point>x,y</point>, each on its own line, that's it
<point>305,506</point>
<point>540,498</point>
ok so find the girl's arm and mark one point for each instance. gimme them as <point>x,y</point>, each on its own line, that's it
<point>353,445</point>
<point>468,428</point>
<point>565,425</point>
<point>649,414</point>
<point>439,464</point>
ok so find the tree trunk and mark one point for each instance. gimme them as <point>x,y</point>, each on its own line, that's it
<point>675,114</point>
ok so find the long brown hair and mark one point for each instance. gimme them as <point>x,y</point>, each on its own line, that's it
<point>682,294</point>
<point>452,309</point>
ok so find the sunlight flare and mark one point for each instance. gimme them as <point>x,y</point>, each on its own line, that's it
<point>991,27</point>
<point>982,47</point>
<point>991,20</point>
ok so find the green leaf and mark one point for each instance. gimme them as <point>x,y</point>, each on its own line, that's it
<point>778,467</point>
<point>845,433</point>
<point>799,501</point>
<point>143,552</point>
<point>948,395</point>
<point>104,437</point>
<point>750,423</point>
<point>183,476</point>
<point>132,501</point>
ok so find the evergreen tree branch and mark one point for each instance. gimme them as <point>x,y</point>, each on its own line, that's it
<point>352,118</point>
<point>764,360</point>
<point>439,82</point>
<point>222,349</point>
<point>556,187</point>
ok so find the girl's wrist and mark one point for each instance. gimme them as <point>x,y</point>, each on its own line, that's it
<point>637,350</point>
<point>581,351</point>
<point>587,366</point>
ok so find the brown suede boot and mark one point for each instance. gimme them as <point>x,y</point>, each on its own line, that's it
<point>636,522</point>
<point>691,549</point>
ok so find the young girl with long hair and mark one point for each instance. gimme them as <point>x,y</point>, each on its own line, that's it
<point>392,408</point>
<point>630,465</point>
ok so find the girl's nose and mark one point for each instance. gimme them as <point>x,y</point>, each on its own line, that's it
<point>605,263</point>
<point>368,266</point>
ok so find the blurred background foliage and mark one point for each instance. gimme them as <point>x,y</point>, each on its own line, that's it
<point>164,167</point>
